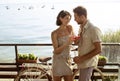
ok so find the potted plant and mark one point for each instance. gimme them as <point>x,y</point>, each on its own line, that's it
<point>108,78</point>
<point>102,60</point>
<point>27,58</point>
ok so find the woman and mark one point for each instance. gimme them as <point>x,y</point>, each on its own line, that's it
<point>62,38</point>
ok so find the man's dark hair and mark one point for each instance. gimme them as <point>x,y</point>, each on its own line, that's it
<point>80,11</point>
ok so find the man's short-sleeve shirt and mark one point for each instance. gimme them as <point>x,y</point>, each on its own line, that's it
<point>90,35</point>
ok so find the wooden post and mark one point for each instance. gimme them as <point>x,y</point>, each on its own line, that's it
<point>119,72</point>
<point>16,54</point>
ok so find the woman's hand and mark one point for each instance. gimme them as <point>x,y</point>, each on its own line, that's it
<point>71,39</point>
<point>76,41</point>
<point>76,37</point>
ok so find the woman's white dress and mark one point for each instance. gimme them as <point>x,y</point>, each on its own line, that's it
<point>61,62</point>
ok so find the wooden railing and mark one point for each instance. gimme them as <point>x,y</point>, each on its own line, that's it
<point>15,66</point>
<point>16,46</point>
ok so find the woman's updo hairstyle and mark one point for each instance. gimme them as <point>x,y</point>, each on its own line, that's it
<point>61,14</point>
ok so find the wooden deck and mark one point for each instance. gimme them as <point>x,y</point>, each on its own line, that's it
<point>111,70</point>
<point>10,70</point>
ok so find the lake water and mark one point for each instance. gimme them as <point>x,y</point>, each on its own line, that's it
<point>33,23</point>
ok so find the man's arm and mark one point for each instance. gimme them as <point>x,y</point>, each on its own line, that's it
<point>89,55</point>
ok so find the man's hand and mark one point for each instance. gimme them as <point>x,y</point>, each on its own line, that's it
<point>76,59</point>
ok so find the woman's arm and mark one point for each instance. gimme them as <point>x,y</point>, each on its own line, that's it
<point>70,28</point>
<point>58,49</point>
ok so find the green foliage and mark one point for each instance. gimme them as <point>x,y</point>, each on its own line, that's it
<point>111,37</point>
<point>102,58</point>
<point>108,78</point>
<point>27,56</point>
<point>32,56</point>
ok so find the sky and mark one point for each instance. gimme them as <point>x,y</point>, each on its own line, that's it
<point>103,13</point>
<point>56,1</point>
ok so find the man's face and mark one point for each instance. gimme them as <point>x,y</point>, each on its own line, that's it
<point>78,18</point>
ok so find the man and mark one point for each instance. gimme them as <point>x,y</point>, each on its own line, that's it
<point>89,44</point>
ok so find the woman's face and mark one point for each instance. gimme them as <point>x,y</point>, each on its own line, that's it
<point>65,20</point>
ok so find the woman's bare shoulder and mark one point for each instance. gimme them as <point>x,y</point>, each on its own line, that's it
<point>70,26</point>
<point>54,32</point>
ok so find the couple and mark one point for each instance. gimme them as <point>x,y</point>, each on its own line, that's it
<point>89,45</point>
